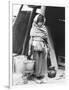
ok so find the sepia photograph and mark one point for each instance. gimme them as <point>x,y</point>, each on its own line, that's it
<point>38,44</point>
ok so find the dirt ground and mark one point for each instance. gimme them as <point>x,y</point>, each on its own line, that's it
<point>18,79</point>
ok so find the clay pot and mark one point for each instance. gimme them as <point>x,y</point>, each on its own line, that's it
<point>51,72</point>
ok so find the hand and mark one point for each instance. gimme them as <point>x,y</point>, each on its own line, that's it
<point>29,52</point>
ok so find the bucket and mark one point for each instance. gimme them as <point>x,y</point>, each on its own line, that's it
<point>29,65</point>
<point>22,64</point>
<point>18,63</point>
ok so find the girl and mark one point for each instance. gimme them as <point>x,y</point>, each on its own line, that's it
<point>39,45</point>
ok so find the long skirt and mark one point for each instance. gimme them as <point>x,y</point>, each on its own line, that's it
<point>40,68</point>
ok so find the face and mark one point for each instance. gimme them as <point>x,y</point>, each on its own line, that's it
<point>40,23</point>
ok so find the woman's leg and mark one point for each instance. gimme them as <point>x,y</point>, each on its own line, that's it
<point>38,62</point>
<point>44,63</point>
<point>36,58</point>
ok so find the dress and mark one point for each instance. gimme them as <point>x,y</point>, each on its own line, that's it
<point>40,48</point>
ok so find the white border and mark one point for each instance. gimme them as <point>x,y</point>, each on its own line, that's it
<point>10,45</point>
<point>60,3</point>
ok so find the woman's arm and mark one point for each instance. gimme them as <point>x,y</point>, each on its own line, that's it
<point>30,44</point>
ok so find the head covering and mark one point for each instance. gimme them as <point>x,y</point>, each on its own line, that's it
<point>40,18</point>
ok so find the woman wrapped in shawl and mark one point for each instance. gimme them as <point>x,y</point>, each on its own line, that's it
<point>39,43</point>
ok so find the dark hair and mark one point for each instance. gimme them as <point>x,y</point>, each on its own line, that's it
<point>40,18</point>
